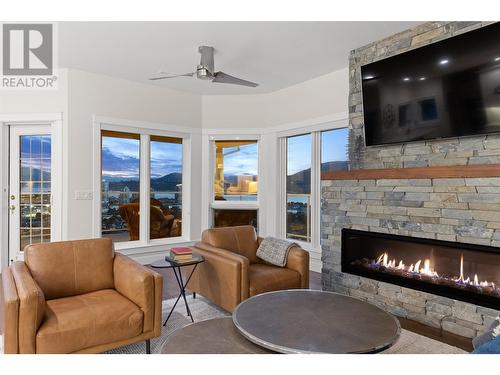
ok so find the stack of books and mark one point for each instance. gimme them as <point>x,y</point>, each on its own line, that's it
<point>181,254</point>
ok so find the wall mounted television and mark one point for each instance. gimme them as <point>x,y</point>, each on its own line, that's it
<point>446,89</point>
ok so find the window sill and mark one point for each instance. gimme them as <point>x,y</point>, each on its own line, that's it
<point>150,244</point>
<point>235,205</point>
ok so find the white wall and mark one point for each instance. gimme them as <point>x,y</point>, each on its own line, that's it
<point>315,98</point>
<point>92,94</point>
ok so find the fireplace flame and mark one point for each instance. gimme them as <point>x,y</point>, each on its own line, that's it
<point>427,270</point>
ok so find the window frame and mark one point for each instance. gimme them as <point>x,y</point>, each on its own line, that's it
<point>145,131</point>
<point>315,208</point>
<point>233,205</point>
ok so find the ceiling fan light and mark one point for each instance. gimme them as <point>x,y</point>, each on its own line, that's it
<point>203,73</point>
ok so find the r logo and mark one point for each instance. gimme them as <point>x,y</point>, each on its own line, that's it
<point>27,49</point>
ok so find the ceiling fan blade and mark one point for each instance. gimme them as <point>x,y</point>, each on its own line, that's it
<point>171,76</point>
<point>221,77</point>
<point>207,57</point>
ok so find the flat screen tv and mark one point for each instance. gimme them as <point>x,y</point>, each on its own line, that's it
<point>446,89</point>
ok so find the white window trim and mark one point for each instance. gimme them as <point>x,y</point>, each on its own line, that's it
<point>55,120</point>
<point>315,131</point>
<point>209,194</point>
<point>145,129</point>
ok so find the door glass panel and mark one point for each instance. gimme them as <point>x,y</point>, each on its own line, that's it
<point>34,188</point>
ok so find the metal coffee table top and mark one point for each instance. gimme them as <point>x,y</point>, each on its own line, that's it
<point>309,321</point>
<point>214,336</point>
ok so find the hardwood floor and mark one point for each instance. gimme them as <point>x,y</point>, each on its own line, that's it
<point>437,334</point>
<point>170,290</point>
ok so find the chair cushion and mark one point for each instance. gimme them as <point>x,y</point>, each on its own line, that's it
<point>87,320</point>
<point>241,240</point>
<point>266,278</point>
<point>71,268</point>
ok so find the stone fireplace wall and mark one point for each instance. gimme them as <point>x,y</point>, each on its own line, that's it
<point>452,209</point>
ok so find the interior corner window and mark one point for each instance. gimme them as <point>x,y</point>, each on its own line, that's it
<point>236,166</point>
<point>120,185</point>
<point>334,150</point>
<point>166,187</point>
<point>298,188</point>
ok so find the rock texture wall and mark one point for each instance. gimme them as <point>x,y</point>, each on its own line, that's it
<point>453,209</point>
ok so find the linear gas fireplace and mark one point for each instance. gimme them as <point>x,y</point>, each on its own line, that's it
<point>456,270</point>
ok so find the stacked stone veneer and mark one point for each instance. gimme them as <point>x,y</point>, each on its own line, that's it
<point>452,209</point>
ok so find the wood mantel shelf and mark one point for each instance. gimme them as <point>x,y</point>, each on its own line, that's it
<point>456,171</point>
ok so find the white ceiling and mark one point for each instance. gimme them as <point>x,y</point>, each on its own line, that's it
<point>274,54</point>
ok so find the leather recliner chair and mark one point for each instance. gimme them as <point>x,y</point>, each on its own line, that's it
<point>79,297</point>
<point>232,272</point>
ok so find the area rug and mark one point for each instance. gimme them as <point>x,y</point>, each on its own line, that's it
<point>408,343</point>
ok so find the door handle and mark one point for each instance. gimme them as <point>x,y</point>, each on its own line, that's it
<point>12,208</point>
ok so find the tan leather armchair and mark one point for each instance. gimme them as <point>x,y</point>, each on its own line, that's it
<point>79,297</point>
<point>232,272</point>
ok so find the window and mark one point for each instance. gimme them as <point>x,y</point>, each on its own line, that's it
<point>231,218</point>
<point>120,185</point>
<point>236,171</point>
<point>298,188</point>
<point>307,156</point>
<point>334,150</point>
<point>166,187</point>
<point>235,190</point>
<point>123,186</point>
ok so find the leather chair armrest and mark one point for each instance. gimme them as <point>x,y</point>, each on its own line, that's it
<point>298,260</point>
<point>141,285</point>
<point>31,307</point>
<point>10,322</point>
<point>230,265</point>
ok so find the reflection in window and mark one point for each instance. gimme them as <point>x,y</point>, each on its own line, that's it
<point>334,150</point>
<point>120,153</point>
<point>166,187</point>
<point>236,164</point>
<point>298,188</point>
<point>428,109</point>
<point>231,218</point>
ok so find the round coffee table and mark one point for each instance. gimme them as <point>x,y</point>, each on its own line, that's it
<point>310,321</point>
<point>214,336</point>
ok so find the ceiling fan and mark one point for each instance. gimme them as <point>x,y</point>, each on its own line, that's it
<point>205,70</point>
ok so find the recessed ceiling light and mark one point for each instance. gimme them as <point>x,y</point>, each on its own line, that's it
<point>444,62</point>
<point>497,58</point>
<point>369,77</point>
<point>406,78</point>
<point>422,79</point>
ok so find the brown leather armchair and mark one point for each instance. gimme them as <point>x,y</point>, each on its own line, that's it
<point>232,272</point>
<point>79,297</point>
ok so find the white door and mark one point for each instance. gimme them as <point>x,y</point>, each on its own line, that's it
<point>30,190</point>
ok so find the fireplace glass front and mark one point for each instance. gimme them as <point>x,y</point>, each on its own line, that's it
<point>456,270</point>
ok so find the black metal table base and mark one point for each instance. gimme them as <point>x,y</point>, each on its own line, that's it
<point>182,288</point>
